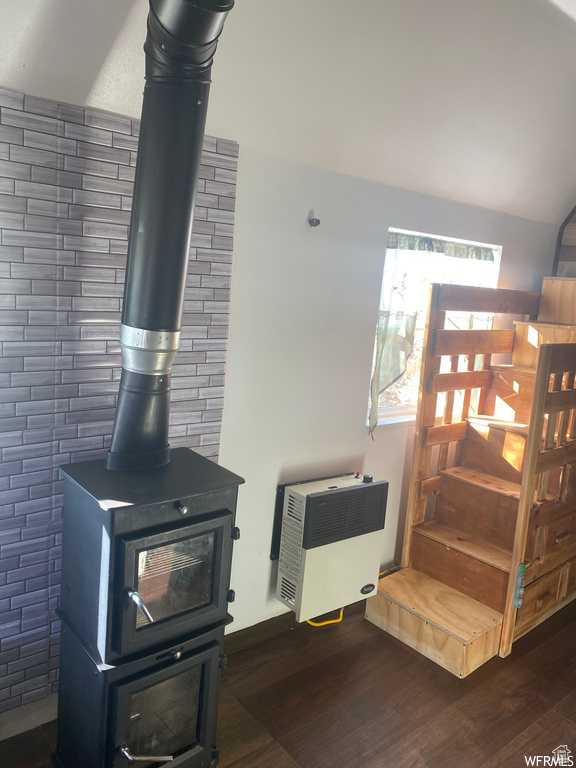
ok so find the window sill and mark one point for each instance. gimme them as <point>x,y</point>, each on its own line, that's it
<point>398,418</point>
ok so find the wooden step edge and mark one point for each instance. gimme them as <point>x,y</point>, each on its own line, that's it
<point>492,483</point>
<point>482,480</point>
<point>546,324</point>
<point>520,370</point>
<point>450,611</point>
<point>487,553</point>
<point>490,422</point>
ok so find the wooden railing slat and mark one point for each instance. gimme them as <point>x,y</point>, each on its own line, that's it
<point>459,298</point>
<point>430,486</point>
<point>483,342</point>
<point>445,433</point>
<point>556,457</point>
<point>563,357</point>
<point>560,401</point>
<point>449,382</point>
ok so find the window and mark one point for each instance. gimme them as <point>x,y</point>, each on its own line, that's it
<point>413,261</point>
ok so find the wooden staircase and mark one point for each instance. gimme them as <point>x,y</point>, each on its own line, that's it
<point>492,509</point>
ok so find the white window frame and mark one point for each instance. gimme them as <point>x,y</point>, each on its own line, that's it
<point>407,413</point>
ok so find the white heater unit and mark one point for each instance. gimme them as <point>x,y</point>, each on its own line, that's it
<point>331,543</point>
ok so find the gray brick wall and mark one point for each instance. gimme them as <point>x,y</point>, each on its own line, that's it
<point>66,177</point>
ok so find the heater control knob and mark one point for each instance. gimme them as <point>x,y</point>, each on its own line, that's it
<point>181,507</point>
<point>235,533</point>
<point>231,596</point>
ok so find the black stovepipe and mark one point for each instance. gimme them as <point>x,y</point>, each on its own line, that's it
<point>181,41</point>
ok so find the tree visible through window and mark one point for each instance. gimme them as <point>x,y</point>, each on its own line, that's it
<point>414,261</point>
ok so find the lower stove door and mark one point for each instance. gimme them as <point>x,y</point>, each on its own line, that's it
<point>165,716</point>
<point>142,711</point>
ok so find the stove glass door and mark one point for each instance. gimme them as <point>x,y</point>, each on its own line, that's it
<point>174,581</point>
<point>164,717</point>
<point>176,577</point>
<point>167,713</point>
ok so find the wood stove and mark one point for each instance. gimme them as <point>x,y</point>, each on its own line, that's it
<point>147,538</point>
<point>145,589</point>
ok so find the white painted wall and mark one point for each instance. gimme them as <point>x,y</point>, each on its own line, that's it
<point>304,306</point>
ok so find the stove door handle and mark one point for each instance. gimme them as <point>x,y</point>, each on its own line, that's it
<point>143,758</point>
<point>135,597</point>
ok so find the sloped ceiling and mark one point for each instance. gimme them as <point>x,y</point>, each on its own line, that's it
<point>568,6</point>
<point>472,101</point>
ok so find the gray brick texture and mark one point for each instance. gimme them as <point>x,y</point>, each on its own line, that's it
<point>66,181</point>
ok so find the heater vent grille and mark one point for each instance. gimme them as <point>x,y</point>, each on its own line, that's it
<point>292,532</point>
<point>295,508</point>
<point>344,513</point>
<point>288,590</point>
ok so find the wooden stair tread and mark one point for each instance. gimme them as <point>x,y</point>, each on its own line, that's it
<point>467,544</point>
<point>483,480</point>
<point>490,422</point>
<point>521,370</point>
<point>454,613</point>
<point>547,325</point>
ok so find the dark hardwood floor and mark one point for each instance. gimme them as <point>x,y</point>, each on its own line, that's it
<point>350,696</point>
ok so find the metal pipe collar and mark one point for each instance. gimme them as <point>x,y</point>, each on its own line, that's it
<point>148,352</point>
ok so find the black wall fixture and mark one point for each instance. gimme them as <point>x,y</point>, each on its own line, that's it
<point>180,45</point>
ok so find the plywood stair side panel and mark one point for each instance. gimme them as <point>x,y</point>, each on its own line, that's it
<point>473,546</point>
<point>466,503</point>
<point>552,544</point>
<point>451,629</point>
<point>510,392</point>
<point>495,452</point>
<point>531,335</point>
<point>545,596</point>
<point>558,301</point>
<point>459,570</point>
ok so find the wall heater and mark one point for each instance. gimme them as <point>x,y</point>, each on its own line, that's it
<point>331,543</point>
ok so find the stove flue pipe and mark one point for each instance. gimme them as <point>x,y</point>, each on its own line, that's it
<point>181,41</point>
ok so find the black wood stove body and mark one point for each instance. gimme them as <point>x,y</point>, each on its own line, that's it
<point>148,534</point>
<point>145,589</point>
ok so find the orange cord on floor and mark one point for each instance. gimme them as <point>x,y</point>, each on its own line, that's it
<point>324,623</point>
